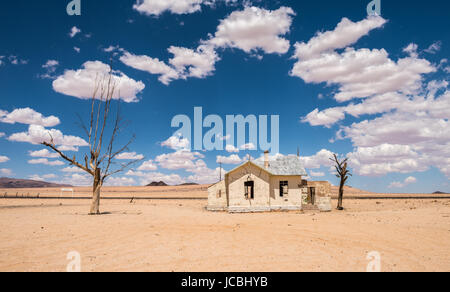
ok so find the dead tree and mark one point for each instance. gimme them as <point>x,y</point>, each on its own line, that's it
<point>100,162</point>
<point>342,173</point>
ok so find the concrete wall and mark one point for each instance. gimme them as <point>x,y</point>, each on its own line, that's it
<point>236,190</point>
<point>217,197</point>
<point>323,188</point>
<point>293,200</point>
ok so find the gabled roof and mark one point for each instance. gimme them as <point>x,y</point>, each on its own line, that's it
<point>283,165</point>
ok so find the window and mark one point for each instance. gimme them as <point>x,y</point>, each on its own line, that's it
<point>219,194</point>
<point>249,190</point>
<point>284,188</point>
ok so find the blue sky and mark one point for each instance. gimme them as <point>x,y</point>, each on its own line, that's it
<point>370,88</point>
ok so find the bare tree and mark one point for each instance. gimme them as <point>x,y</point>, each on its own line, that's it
<point>100,162</point>
<point>342,173</point>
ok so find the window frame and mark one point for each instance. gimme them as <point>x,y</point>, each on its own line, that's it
<point>284,188</point>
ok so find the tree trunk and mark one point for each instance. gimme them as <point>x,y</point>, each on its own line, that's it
<point>95,205</point>
<point>341,195</point>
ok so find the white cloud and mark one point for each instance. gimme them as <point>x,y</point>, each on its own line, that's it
<point>151,65</point>
<point>411,49</point>
<point>148,166</point>
<point>74,31</point>
<point>182,159</point>
<point>231,149</point>
<point>50,68</point>
<point>222,138</point>
<point>77,49</point>
<point>38,134</point>
<point>254,29</point>
<point>28,116</point>
<point>42,178</point>
<point>129,156</point>
<point>45,161</point>
<point>76,179</point>
<point>44,153</point>
<point>157,7</point>
<point>2,134</point>
<point>358,73</point>
<point>176,143</point>
<point>407,181</point>
<point>232,159</point>
<point>5,171</point>
<point>14,60</point>
<point>322,158</point>
<point>120,182</point>
<point>198,63</point>
<point>434,48</point>
<point>73,169</point>
<point>3,159</point>
<point>81,83</point>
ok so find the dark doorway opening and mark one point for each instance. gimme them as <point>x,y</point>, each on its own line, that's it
<point>249,190</point>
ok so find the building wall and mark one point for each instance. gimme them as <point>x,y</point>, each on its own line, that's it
<point>323,188</point>
<point>236,191</point>
<point>293,199</point>
<point>217,197</point>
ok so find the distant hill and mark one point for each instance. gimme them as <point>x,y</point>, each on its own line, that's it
<point>439,193</point>
<point>13,183</point>
<point>189,184</point>
<point>157,184</point>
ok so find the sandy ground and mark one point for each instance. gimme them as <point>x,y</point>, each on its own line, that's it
<point>179,235</point>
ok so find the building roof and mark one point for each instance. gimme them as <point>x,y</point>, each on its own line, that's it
<point>283,165</point>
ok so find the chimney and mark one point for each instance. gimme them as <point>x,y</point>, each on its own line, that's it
<point>266,159</point>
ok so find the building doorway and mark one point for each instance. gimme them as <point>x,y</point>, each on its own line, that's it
<point>312,196</point>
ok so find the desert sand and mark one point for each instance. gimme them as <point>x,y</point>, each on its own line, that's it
<point>180,235</point>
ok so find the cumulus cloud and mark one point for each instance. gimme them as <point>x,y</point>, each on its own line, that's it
<point>152,66</point>
<point>182,159</point>
<point>148,166</point>
<point>72,169</point>
<point>316,174</point>
<point>157,7</point>
<point>50,66</point>
<point>28,116</point>
<point>321,158</point>
<point>38,134</point>
<point>407,181</point>
<point>45,161</point>
<point>176,143</point>
<point>405,125</point>
<point>76,179</point>
<point>129,156</point>
<point>2,134</point>
<point>120,181</point>
<point>231,149</point>
<point>44,153</point>
<point>358,73</point>
<point>232,159</point>
<point>254,29</point>
<point>81,83</point>
<point>3,159</point>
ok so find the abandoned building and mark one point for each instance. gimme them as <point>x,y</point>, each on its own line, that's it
<point>266,185</point>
